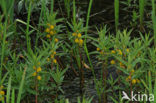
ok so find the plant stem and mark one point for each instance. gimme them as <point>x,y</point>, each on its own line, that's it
<point>116,7</point>
<point>154,21</point>
<point>104,81</point>
<point>52,7</point>
<point>81,74</point>
<point>85,45</point>
<point>141,11</point>
<point>36,88</point>
<point>27,29</point>
<point>74,12</point>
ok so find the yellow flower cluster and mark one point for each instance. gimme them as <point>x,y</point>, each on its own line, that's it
<point>129,78</point>
<point>100,51</point>
<point>121,53</point>
<point>36,73</point>
<point>118,51</point>
<point>50,31</point>
<point>78,38</point>
<point>122,65</point>
<point>113,51</point>
<point>134,81</point>
<point>52,57</point>
<point>56,40</point>
<point>2,93</point>
<point>112,62</point>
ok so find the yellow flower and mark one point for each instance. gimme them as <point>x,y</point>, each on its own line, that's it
<point>101,52</point>
<point>51,26</point>
<point>39,77</point>
<point>121,63</point>
<point>2,93</point>
<point>113,51</point>
<point>54,53</point>
<point>48,35</point>
<point>76,40</point>
<point>55,61</point>
<point>79,35</point>
<point>48,59</point>
<point>47,30</point>
<point>51,33</point>
<point>48,24</point>
<point>39,69</point>
<point>120,52</point>
<point>54,32</point>
<point>127,79</point>
<point>127,50</point>
<point>138,81</point>
<point>34,67</point>
<point>2,87</point>
<point>80,42</point>
<point>52,56</point>
<point>132,71</point>
<point>134,81</point>
<point>112,62</point>
<point>56,40</point>
<point>34,74</point>
<point>74,34</point>
<point>98,49</point>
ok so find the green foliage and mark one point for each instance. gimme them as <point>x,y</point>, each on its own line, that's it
<point>41,50</point>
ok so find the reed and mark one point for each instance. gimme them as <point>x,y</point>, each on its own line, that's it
<point>74,12</point>
<point>141,11</point>
<point>116,9</point>
<point>67,6</point>
<point>8,90</point>
<point>154,20</point>
<point>85,44</point>
<point>52,6</point>
<point>21,86</point>
<point>27,27</point>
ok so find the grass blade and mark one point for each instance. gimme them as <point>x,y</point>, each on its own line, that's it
<point>21,87</point>
<point>13,96</point>
<point>154,20</point>
<point>116,8</point>
<point>8,91</point>
<point>141,11</point>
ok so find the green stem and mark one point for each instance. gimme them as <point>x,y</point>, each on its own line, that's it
<point>52,6</point>
<point>74,12</point>
<point>85,45</point>
<point>141,11</point>
<point>116,9</point>
<point>3,47</point>
<point>154,21</point>
<point>27,29</point>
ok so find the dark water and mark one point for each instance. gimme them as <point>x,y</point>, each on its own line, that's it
<point>103,12</point>
<point>72,87</point>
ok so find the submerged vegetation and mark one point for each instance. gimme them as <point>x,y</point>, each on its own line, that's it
<point>46,44</point>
